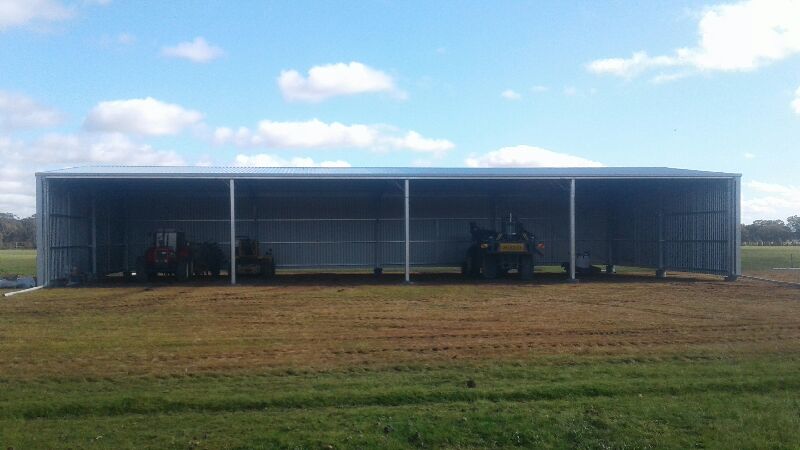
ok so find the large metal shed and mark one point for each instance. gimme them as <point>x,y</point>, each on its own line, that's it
<point>97,219</point>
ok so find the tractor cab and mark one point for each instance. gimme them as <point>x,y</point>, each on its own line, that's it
<point>492,253</point>
<point>249,260</point>
<point>168,254</point>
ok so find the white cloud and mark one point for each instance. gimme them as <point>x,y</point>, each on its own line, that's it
<point>106,148</point>
<point>418,143</point>
<point>796,101</point>
<point>632,66</point>
<point>265,160</point>
<point>144,116</point>
<point>317,134</point>
<point>748,155</point>
<point>770,201</point>
<point>510,94</point>
<point>18,111</point>
<point>732,37</point>
<point>22,158</point>
<point>528,156</point>
<point>16,13</point>
<point>198,51</point>
<point>333,80</point>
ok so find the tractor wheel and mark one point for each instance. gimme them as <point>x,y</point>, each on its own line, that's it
<point>471,267</point>
<point>267,269</point>
<point>526,267</point>
<point>489,267</point>
<point>468,266</point>
<point>141,271</point>
<point>182,272</point>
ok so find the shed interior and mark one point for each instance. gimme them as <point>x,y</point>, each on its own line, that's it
<point>101,225</point>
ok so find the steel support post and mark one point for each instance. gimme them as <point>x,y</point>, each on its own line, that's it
<point>233,233</point>
<point>41,245</point>
<point>94,236</point>
<point>572,258</point>
<point>408,234</point>
<point>735,234</point>
<point>661,272</point>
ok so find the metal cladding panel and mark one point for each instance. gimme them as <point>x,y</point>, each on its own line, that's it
<point>682,225</point>
<point>41,232</point>
<point>67,243</point>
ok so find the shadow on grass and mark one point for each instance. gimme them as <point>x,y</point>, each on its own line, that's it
<point>433,278</point>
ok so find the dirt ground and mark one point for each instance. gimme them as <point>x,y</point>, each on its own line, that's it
<point>792,276</point>
<point>318,323</point>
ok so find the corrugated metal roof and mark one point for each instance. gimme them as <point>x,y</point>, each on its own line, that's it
<point>376,172</point>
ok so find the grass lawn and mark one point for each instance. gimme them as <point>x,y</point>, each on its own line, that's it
<point>760,261</point>
<point>18,262</point>
<point>766,258</point>
<point>635,363</point>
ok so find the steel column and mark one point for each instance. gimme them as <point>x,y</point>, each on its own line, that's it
<point>408,234</point>
<point>735,234</point>
<point>41,246</point>
<point>572,258</point>
<point>737,220</point>
<point>660,271</point>
<point>233,233</point>
<point>94,236</point>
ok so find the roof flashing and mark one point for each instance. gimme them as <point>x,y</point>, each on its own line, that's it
<point>376,172</point>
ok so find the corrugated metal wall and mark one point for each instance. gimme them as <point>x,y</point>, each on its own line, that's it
<point>683,225</point>
<point>673,224</point>
<point>68,223</point>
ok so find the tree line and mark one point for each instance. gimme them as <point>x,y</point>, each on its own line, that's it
<point>772,232</point>
<point>17,231</point>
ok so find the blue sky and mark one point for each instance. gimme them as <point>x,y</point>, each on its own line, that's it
<point>399,83</point>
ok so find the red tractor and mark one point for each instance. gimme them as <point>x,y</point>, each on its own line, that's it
<point>169,254</point>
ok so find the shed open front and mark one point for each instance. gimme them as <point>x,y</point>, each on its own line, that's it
<point>100,225</point>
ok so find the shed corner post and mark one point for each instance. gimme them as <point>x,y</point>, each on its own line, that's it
<point>735,238</point>
<point>572,258</point>
<point>407,222</point>
<point>41,244</point>
<point>233,232</point>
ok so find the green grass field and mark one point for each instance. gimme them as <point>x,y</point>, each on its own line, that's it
<point>766,258</point>
<point>17,262</point>
<point>357,363</point>
<point>564,403</point>
<point>760,262</point>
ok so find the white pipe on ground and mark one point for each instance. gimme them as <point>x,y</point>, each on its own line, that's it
<point>9,294</point>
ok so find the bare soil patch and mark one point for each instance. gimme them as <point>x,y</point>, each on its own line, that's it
<point>345,322</point>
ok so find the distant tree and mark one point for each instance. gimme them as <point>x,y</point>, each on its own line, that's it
<point>773,231</point>
<point>747,235</point>
<point>13,229</point>
<point>794,223</point>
